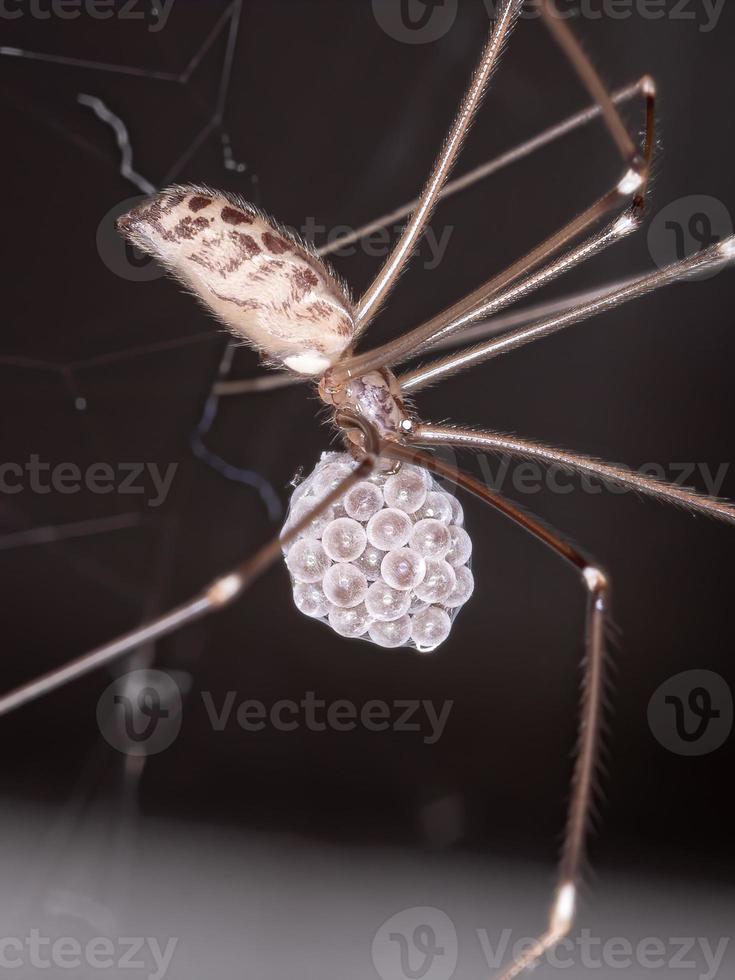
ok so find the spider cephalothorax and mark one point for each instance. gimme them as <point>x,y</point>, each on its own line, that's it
<point>376,396</point>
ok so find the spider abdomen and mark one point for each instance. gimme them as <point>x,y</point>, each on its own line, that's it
<point>255,277</point>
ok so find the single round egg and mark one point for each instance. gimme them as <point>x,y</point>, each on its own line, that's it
<point>344,539</point>
<point>403,568</point>
<point>388,529</point>
<point>430,628</point>
<point>395,633</point>
<point>307,560</point>
<point>405,490</point>
<point>344,585</point>
<point>385,603</point>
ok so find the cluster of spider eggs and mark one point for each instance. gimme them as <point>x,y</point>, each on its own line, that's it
<point>387,562</point>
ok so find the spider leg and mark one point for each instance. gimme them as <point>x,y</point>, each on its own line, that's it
<point>434,371</point>
<point>494,325</point>
<point>633,184</point>
<point>639,165</point>
<point>216,596</point>
<point>493,298</point>
<point>493,166</point>
<point>563,905</point>
<point>614,232</point>
<point>282,379</point>
<point>477,439</point>
<point>378,290</point>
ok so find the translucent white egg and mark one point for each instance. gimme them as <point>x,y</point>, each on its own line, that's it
<point>437,506</point>
<point>310,599</point>
<point>344,539</point>
<point>344,585</point>
<point>307,560</point>
<point>405,490</point>
<point>363,500</point>
<point>430,538</point>
<point>430,628</point>
<point>424,474</point>
<point>387,561</point>
<point>463,589</point>
<point>329,477</point>
<point>316,525</point>
<point>350,622</point>
<point>389,528</point>
<point>403,568</point>
<point>417,605</point>
<point>461,549</point>
<point>438,583</point>
<point>386,603</point>
<point>369,562</point>
<point>395,633</point>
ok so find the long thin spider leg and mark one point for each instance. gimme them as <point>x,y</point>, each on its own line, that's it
<point>495,325</point>
<point>65,532</point>
<point>632,185</point>
<point>472,356</point>
<point>490,327</point>
<point>220,593</point>
<point>495,442</point>
<point>563,906</point>
<point>258,384</point>
<point>496,300</point>
<point>491,167</point>
<point>407,345</point>
<point>378,290</point>
<point>606,105</point>
<point>569,44</point>
<point>271,381</point>
<point>614,232</point>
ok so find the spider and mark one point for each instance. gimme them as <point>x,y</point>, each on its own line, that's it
<point>273,291</point>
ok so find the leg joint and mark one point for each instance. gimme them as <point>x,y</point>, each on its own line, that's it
<point>225,590</point>
<point>596,581</point>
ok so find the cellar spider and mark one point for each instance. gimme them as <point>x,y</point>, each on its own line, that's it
<point>272,291</point>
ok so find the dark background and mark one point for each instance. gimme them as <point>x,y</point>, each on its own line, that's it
<point>337,120</point>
